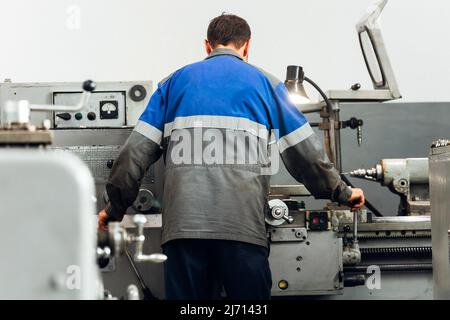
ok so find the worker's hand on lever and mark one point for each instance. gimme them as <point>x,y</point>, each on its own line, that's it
<point>357,199</point>
<point>102,220</point>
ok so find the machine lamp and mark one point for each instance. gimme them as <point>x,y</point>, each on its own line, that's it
<point>294,84</point>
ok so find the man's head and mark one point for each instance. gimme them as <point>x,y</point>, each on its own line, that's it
<point>228,31</point>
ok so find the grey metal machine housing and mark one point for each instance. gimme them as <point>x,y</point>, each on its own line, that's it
<point>440,216</point>
<point>406,177</point>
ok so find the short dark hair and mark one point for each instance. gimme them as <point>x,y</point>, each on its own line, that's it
<point>228,29</point>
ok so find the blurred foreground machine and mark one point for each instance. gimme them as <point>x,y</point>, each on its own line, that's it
<point>47,252</point>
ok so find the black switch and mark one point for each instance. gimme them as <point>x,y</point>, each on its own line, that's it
<point>65,116</point>
<point>318,220</point>
<point>110,163</point>
<point>91,116</point>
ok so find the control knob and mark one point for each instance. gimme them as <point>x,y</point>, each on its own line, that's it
<point>65,116</point>
<point>91,116</point>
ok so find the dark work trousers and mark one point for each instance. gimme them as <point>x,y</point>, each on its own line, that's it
<point>195,268</point>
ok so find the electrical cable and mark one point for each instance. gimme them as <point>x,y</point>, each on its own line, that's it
<point>324,96</point>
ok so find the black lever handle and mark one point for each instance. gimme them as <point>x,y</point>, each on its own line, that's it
<point>89,85</point>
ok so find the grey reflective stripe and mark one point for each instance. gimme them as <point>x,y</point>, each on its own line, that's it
<point>165,79</point>
<point>274,81</point>
<point>219,122</point>
<point>295,137</point>
<point>149,131</point>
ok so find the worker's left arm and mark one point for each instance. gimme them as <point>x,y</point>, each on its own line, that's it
<point>140,151</point>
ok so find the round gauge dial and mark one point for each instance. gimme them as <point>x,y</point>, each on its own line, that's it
<point>109,108</point>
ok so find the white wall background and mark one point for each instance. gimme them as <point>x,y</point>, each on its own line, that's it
<point>148,39</point>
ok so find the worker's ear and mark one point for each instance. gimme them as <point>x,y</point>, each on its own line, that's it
<point>246,50</point>
<point>208,47</point>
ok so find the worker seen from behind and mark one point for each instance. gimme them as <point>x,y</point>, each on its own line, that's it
<point>220,125</point>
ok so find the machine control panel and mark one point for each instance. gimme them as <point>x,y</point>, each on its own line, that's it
<point>105,109</point>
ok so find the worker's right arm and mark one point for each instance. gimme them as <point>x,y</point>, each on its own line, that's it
<point>139,152</point>
<point>304,156</point>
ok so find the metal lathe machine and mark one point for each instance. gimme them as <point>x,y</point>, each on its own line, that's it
<point>56,159</point>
